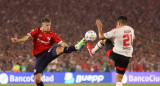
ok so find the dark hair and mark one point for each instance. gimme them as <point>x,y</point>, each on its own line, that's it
<point>122,19</point>
<point>45,20</point>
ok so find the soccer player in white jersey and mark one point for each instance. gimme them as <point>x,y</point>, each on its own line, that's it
<point>121,50</point>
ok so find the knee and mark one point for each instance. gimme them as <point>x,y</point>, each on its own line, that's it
<point>59,50</point>
<point>37,79</point>
<point>118,79</point>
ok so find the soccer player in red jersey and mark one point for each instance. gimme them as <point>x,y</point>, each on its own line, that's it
<point>43,50</point>
<point>121,51</point>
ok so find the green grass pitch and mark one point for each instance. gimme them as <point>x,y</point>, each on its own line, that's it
<point>103,84</point>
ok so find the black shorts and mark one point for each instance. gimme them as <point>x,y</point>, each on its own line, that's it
<point>43,59</point>
<point>121,62</point>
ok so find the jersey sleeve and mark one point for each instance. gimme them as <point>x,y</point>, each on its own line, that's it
<point>110,34</point>
<point>56,38</point>
<point>33,32</point>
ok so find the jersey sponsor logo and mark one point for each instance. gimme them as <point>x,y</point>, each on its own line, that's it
<point>39,40</point>
<point>40,35</point>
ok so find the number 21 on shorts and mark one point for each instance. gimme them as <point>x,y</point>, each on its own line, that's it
<point>127,40</point>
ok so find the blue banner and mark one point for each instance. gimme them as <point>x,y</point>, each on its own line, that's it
<point>56,77</point>
<point>139,77</point>
<point>80,77</point>
<point>28,77</point>
<point>87,77</point>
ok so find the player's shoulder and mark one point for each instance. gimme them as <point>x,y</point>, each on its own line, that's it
<point>129,27</point>
<point>126,28</point>
<point>113,30</point>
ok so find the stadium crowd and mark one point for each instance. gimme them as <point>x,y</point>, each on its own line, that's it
<point>70,20</point>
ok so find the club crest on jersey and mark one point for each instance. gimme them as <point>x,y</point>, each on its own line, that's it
<point>49,38</point>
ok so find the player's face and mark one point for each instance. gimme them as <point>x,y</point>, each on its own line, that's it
<point>46,26</point>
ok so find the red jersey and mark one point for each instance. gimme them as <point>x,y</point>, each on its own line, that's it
<point>43,41</point>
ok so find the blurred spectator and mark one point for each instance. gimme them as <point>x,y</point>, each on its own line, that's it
<point>16,67</point>
<point>23,67</point>
<point>95,67</point>
<point>70,20</point>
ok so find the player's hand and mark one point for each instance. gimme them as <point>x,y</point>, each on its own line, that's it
<point>14,39</point>
<point>99,24</point>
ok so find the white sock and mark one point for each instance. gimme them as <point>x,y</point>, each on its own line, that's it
<point>97,47</point>
<point>119,84</point>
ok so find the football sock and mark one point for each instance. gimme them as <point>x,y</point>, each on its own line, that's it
<point>69,49</point>
<point>97,47</point>
<point>119,84</point>
<point>40,84</point>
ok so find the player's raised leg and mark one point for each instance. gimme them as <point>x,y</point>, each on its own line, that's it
<point>98,46</point>
<point>78,46</point>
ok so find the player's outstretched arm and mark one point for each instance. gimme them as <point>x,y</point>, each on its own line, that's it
<point>99,26</point>
<point>15,39</point>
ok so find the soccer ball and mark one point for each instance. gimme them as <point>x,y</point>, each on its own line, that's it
<point>90,35</point>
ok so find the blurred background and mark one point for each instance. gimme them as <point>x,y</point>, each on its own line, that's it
<point>70,20</point>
